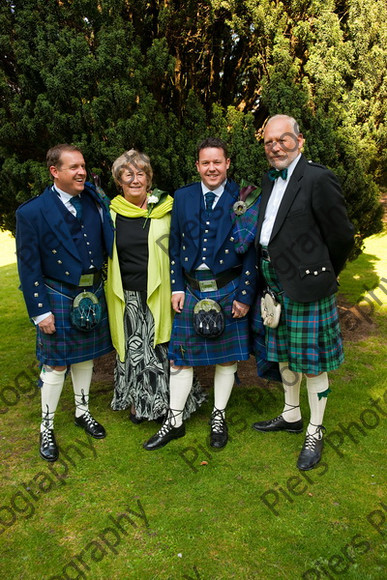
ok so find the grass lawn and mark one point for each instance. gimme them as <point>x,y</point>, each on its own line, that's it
<point>110,510</point>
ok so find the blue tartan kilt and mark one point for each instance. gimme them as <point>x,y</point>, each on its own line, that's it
<point>186,348</point>
<point>69,345</point>
<point>308,336</point>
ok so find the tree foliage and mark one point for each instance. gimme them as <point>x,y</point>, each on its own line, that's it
<point>159,75</point>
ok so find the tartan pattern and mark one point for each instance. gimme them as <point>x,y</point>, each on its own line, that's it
<point>308,335</point>
<point>188,348</point>
<point>69,345</point>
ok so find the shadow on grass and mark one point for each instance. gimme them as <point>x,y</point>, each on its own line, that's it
<point>359,277</point>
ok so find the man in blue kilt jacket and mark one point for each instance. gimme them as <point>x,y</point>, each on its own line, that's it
<point>303,240</point>
<point>213,279</point>
<point>63,237</point>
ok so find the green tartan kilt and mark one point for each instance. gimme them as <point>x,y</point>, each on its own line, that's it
<point>308,336</point>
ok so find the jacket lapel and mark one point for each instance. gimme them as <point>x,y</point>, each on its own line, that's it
<point>267,187</point>
<point>54,220</point>
<point>192,213</point>
<point>289,195</point>
<point>223,210</point>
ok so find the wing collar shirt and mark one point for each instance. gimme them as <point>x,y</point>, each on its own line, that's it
<point>274,203</point>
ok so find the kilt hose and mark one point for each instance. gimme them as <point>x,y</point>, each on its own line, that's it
<point>187,348</point>
<point>308,336</point>
<point>68,345</point>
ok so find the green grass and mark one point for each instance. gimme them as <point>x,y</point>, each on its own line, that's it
<point>204,521</point>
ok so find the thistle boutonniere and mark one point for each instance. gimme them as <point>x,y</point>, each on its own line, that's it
<point>248,195</point>
<point>157,196</point>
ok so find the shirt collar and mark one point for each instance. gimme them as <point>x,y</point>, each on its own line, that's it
<point>292,166</point>
<point>218,191</point>
<point>65,197</point>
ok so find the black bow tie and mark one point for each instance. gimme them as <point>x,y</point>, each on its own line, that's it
<point>274,173</point>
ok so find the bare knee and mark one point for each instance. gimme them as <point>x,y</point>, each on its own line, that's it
<point>59,368</point>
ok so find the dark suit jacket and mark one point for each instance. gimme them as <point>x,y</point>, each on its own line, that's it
<point>184,242</point>
<point>312,235</point>
<point>45,247</point>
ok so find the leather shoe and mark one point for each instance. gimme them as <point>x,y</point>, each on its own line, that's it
<point>135,420</point>
<point>48,447</point>
<point>219,431</point>
<point>164,436</point>
<point>312,450</point>
<point>278,424</point>
<point>90,425</point>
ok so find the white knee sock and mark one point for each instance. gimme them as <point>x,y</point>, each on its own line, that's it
<point>316,386</point>
<point>180,385</point>
<point>81,374</point>
<point>291,382</point>
<point>223,384</point>
<point>50,394</point>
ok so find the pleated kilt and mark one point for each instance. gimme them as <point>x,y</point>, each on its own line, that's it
<point>69,345</point>
<point>186,348</point>
<point>308,335</point>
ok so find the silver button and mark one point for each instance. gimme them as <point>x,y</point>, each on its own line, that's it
<point>85,235</point>
<point>307,271</point>
<point>90,253</point>
<point>232,239</point>
<point>82,227</point>
<point>173,281</point>
<point>204,258</point>
<point>67,273</point>
<point>247,282</point>
<point>87,243</point>
<point>185,259</point>
<point>40,305</point>
<point>205,240</point>
<point>53,251</point>
<point>226,251</point>
<point>207,223</point>
<point>36,295</point>
<point>182,235</point>
<point>173,262</point>
<point>323,269</point>
<point>220,261</point>
<point>247,272</point>
<point>59,261</point>
<point>183,247</point>
<point>244,292</point>
<point>91,261</point>
<point>204,249</point>
<point>172,271</point>
<point>206,231</point>
<point>36,283</point>
<point>315,272</point>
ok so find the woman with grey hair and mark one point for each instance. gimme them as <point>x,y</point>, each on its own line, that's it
<point>138,291</point>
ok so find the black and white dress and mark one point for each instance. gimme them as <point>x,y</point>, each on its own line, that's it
<point>143,379</point>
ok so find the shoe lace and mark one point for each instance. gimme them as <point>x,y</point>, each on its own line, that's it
<point>89,419</point>
<point>217,421</point>
<point>47,438</point>
<point>47,418</point>
<point>169,422</point>
<point>311,439</point>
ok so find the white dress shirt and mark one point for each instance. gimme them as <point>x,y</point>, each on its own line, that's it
<point>274,203</point>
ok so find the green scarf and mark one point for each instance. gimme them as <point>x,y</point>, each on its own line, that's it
<point>158,283</point>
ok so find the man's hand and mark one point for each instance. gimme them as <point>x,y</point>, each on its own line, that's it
<point>48,325</point>
<point>239,310</point>
<point>178,301</point>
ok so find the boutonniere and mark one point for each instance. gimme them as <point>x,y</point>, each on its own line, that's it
<point>157,196</point>
<point>248,195</point>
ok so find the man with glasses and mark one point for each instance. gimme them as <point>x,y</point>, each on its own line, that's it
<point>303,240</point>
